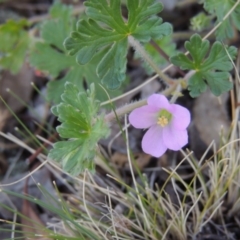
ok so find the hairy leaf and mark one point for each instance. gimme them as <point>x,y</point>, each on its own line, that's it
<point>81,126</point>
<point>212,70</point>
<point>106,32</point>
<point>50,56</point>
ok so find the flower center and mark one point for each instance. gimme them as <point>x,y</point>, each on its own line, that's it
<point>164,118</point>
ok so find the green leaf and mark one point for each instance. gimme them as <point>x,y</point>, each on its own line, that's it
<point>13,45</point>
<point>200,22</point>
<point>48,59</point>
<point>62,11</point>
<point>81,126</point>
<point>220,8</point>
<point>212,70</point>
<point>50,56</point>
<point>61,24</point>
<point>109,67</point>
<point>106,32</point>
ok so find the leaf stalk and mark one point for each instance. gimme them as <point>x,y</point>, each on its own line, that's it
<point>139,48</point>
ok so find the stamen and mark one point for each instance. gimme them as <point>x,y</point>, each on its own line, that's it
<point>162,121</point>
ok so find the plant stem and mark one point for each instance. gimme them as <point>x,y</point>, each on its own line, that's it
<point>185,35</point>
<point>164,55</point>
<point>129,107</point>
<point>175,89</point>
<point>125,109</point>
<point>225,17</point>
<point>139,48</point>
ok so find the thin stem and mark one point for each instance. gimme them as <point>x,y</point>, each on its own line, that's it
<point>159,50</point>
<point>139,48</point>
<point>134,180</point>
<point>171,65</point>
<point>139,87</point>
<point>175,89</point>
<point>164,55</point>
<point>179,87</point>
<point>183,35</point>
<point>125,109</point>
<point>128,108</point>
<point>176,93</point>
<point>86,207</point>
<point>225,17</point>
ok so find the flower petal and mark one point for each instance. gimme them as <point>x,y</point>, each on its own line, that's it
<point>143,117</point>
<point>152,142</point>
<point>174,139</point>
<point>180,117</point>
<point>158,101</point>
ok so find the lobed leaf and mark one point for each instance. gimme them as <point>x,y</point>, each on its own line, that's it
<point>221,8</point>
<point>106,32</point>
<point>82,126</point>
<point>211,70</point>
<point>50,56</point>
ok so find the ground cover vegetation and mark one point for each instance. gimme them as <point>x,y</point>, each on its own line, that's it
<point>119,119</point>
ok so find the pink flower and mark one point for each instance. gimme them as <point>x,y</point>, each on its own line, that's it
<point>167,125</point>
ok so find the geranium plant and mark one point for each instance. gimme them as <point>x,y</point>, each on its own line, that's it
<point>92,49</point>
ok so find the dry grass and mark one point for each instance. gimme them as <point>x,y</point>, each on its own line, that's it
<point>204,204</point>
